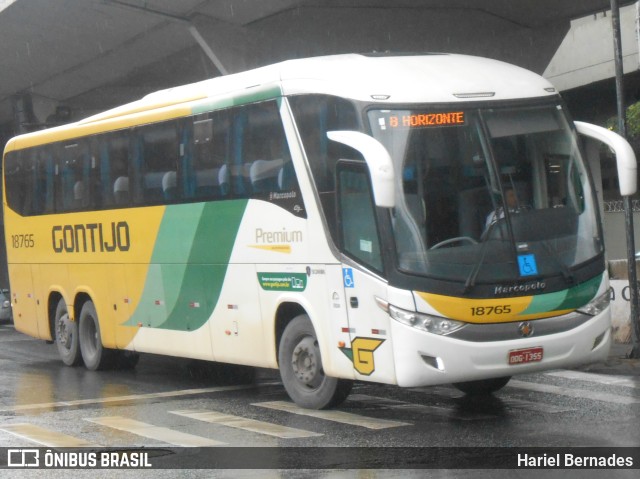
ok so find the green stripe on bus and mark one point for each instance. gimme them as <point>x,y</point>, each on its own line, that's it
<point>251,96</point>
<point>189,264</point>
<point>543,303</point>
<point>571,298</point>
<point>583,293</point>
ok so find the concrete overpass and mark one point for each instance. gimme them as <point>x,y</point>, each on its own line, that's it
<point>89,55</point>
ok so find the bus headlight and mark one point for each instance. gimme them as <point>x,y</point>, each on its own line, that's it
<point>425,322</point>
<point>597,305</point>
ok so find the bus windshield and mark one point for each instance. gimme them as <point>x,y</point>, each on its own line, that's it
<point>486,195</point>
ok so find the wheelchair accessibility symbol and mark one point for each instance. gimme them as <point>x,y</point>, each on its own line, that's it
<point>347,275</point>
<point>527,264</point>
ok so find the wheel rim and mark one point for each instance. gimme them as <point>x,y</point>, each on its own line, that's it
<point>90,335</point>
<point>306,363</point>
<point>64,331</point>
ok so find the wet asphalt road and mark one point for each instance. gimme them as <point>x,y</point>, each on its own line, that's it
<point>166,403</point>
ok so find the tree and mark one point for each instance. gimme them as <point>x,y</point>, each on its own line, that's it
<point>632,115</point>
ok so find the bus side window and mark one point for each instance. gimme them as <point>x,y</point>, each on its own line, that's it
<point>47,159</point>
<point>267,156</point>
<point>93,175</point>
<point>186,151</point>
<point>45,172</point>
<point>72,183</point>
<point>113,151</point>
<point>135,164</point>
<point>238,166</point>
<point>315,115</point>
<point>30,177</point>
<point>33,200</point>
<point>18,180</point>
<point>210,150</point>
<point>158,162</point>
<point>357,217</point>
<point>83,187</point>
<point>121,192</point>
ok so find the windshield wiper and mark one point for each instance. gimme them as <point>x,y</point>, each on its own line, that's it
<point>471,279</point>
<point>566,272</point>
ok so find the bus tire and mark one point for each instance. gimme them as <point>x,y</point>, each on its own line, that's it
<point>94,355</point>
<point>482,387</point>
<point>66,336</point>
<point>125,359</point>
<point>301,368</point>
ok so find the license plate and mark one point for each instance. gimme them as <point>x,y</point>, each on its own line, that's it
<point>523,356</point>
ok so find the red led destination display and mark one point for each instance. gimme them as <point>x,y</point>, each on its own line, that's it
<point>422,120</point>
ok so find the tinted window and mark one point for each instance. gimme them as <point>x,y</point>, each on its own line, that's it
<point>358,229</point>
<point>155,156</point>
<point>239,152</point>
<point>315,115</point>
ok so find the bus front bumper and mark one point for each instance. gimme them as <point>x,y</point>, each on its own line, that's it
<point>424,359</point>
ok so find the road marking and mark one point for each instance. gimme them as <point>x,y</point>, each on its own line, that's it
<point>570,392</point>
<point>335,416</point>
<point>133,397</point>
<point>449,412</point>
<point>452,393</point>
<point>609,380</point>
<point>158,433</point>
<point>246,424</point>
<point>44,436</point>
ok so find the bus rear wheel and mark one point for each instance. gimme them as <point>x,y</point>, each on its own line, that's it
<point>123,359</point>
<point>66,335</point>
<point>301,368</point>
<point>482,387</point>
<point>94,355</point>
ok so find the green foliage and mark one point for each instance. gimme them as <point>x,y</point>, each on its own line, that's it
<point>633,122</point>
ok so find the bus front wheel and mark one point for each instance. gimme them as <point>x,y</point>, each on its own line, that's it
<point>94,355</point>
<point>482,387</point>
<point>301,368</point>
<point>66,335</point>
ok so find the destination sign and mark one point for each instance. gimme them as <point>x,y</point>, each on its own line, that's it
<point>405,120</point>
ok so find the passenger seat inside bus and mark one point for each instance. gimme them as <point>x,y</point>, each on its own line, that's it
<point>473,207</point>
<point>121,190</point>
<point>169,186</point>
<point>153,186</point>
<point>240,177</point>
<point>264,175</point>
<point>286,177</point>
<point>212,182</point>
<point>78,194</point>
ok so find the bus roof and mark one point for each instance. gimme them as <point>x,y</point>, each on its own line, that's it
<point>410,78</point>
<point>415,78</point>
<point>433,78</point>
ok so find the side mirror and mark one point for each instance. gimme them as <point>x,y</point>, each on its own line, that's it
<point>378,160</point>
<point>625,157</point>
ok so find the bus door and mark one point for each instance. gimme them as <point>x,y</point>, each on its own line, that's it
<point>370,349</point>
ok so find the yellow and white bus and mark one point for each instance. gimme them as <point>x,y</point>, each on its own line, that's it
<point>409,220</point>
